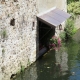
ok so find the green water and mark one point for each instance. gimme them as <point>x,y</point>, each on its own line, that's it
<point>56,65</point>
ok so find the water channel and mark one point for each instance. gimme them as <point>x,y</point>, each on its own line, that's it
<point>63,64</point>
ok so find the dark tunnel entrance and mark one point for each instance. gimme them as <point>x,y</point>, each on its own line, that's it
<point>45,34</point>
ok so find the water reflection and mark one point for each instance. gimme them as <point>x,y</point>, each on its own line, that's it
<point>74,61</point>
<point>56,65</point>
<point>29,74</point>
<point>62,59</point>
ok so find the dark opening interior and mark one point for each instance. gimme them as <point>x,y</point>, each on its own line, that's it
<point>12,22</point>
<point>15,0</point>
<point>45,34</point>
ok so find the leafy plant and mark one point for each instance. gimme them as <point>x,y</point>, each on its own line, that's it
<point>55,42</point>
<point>70,1</point>
<point>62,36</point>
<point>74,8</point>
<point>69,29</point>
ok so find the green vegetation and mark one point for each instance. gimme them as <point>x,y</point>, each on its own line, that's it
<point>55,42</point>
<point>74,8</point>
<point>29,62</point>
<point>4,33</point>
<point>70,30</point>
<point>70,1</point>
<point>62,36</point>
<point>3,51</point>
<point>21,71</point>
<point>22,68</point>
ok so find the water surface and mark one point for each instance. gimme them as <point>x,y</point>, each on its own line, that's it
<point>63,64</point>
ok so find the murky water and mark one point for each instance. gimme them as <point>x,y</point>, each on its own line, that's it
<point>56,65</point>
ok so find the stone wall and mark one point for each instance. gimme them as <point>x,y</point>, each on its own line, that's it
<point>17,35</point>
